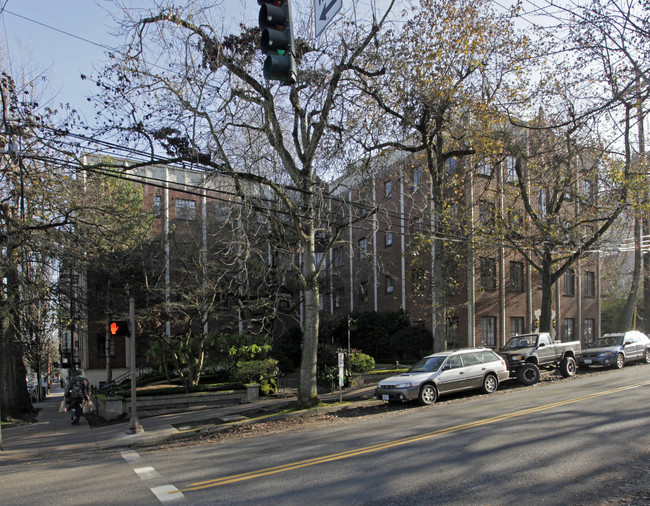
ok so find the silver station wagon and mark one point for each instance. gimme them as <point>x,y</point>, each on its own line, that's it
<point>445,372</point>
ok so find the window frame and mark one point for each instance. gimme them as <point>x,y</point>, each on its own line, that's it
<point>185,209</point>
<point>569,283</point>
<point>489,331</point>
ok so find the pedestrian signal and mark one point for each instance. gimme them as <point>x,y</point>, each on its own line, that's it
<point>119,328</point>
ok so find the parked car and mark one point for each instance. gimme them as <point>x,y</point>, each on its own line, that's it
<point>616,350</point>
<point>31,389</point>
<point>526,354</point>
<point>445,372</point>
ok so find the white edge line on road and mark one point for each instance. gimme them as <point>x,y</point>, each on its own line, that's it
<point>164,493</point>
<point>167,493</point>
<point>147,473</point>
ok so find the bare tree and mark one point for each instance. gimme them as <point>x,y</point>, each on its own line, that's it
<point>208,105</point>
<point>447,74</point>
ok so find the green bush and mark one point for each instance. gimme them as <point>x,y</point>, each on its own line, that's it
<point>328,377</point>
<point>264,372</point>
<point>360,362</point>
<point>411,343</point>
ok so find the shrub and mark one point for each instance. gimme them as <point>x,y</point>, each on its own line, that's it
<point>411,342</point>
<point>328,377</point>
<point>264,372</point>
<point>360,362</point>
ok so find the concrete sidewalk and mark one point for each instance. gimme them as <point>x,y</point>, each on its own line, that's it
<point>53,431</point>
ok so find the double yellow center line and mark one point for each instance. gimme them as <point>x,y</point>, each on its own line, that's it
<point>398,442</point>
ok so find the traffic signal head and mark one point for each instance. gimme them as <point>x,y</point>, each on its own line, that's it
<point>277,40</point>
<point>119,328</point>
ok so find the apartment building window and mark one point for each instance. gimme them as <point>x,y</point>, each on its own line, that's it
<point>452,332</point>
<point>157,205</point>
<point>489,330</point>
<point>588,191</point>
<point>339,256</point>
<point>388,238</point>
<point>569,329</point>
<point>101,346</point>
<point>339,294</point>
<point>320,256</point>
<point>363,292</point>
<point>511,169</point>
<point>390,287</point>
<point>570,283</point>
<point>417,280</point>
<point>363,248</point>
<point>542,201</point>
<point>185,209</point>
<point>388,189</point>
<point>452,166</point>
<point>418,226</point>
<point>590,284</point>
<point>516,325</point>
<point>516,276</point>
<point>588,327</point>
<point>486,214</point>
<point>484,168</point>
<point>488,274</point>
<point>418,177</point>
<point>516,222</point>
<point>221,213</point>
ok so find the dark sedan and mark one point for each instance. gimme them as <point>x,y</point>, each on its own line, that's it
<point>616,350</point>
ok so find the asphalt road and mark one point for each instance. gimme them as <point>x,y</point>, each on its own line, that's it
<point>551,444</point>
<point>556,443</point>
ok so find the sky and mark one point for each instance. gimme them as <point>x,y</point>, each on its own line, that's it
<point>59,40</point>
<point>63,39</point>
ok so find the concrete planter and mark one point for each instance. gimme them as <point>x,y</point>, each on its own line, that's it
<point>109,408</point>
<point>362,380</point>
<point>150,405</point>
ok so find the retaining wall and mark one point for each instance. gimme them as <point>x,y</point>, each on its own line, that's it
<point>111,408</point>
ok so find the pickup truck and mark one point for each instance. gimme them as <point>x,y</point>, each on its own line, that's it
<point>526,354</point>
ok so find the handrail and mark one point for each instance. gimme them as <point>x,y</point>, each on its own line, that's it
<point>110,386</point>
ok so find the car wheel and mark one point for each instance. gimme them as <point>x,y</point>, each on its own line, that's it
<point>490,384</point>
<point>568,367</point>
<point>528,374</point>
<point>646,356</point>
<point>620,361</point>
<point>428,394</point>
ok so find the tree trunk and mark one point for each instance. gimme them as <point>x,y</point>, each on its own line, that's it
<point>14,398</point>
<point>307,389</point>
<point>546,316</point>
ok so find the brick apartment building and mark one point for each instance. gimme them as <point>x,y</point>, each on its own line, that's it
<point>494,292</point>
<point>381,265</point>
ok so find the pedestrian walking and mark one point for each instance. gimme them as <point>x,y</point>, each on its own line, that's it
<point>76,394</point>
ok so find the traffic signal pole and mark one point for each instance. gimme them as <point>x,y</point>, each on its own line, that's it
<point>134,426</point>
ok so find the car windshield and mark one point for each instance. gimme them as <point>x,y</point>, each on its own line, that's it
<point>520,342</point>
<point>427,364</point>
<point>605,342</point>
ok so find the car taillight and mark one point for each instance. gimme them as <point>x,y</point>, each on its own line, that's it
<point>503,362</point>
